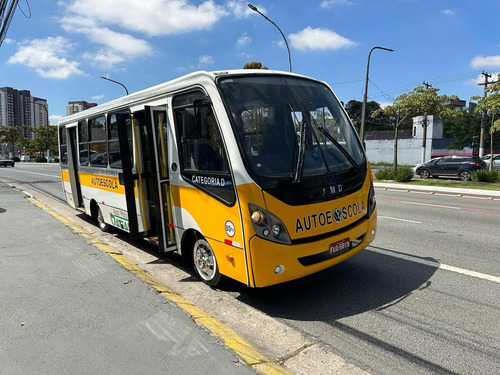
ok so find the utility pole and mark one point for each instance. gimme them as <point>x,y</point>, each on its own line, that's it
<point>483,115</point>
<point>424,128</point>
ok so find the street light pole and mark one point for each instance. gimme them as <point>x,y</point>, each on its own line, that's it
<point>119,83</point>
<point>365,94</point>
<point>254,8</point>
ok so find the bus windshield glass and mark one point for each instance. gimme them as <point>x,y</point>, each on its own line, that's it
<point>290,127</point>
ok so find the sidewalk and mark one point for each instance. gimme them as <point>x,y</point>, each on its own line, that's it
<point>69,308</point>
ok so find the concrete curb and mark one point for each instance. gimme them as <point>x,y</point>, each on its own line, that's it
<point>491,194</point>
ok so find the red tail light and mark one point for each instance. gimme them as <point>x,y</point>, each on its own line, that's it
<point>475,164</point>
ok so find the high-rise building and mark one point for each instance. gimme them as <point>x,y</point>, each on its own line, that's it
<point>78,106</point>
<point>18,107</point>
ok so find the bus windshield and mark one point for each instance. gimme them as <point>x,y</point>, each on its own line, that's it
<point>290,127</point>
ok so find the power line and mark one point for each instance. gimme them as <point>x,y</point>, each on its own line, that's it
<point>435,81</point>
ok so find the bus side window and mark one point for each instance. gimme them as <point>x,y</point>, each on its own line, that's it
<point>98,144</point>
<point>115,156</point>
<point>63,151</point>
<point>202,146</point>
<point>83,139</point>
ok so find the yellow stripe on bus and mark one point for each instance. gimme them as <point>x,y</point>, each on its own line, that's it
<point>107,183</point>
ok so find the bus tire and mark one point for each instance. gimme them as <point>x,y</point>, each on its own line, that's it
<point>205,263</point>
<point>100,220</point>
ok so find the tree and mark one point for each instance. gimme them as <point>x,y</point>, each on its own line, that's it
<point>10,135</point>
<point>24,137</point>
<point>463,129</point>
<point>491,105</point>
<point>39,143</point>
<point>420,101</point>
<point>353,109</point>
<point>254,65</point>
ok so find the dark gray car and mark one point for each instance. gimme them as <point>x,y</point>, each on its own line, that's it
<point>455,166</point>
<point>6,162</point>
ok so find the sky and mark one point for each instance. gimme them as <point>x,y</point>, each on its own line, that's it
<point>60,49</point>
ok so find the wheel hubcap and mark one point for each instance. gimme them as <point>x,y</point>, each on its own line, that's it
<point>204,261</point>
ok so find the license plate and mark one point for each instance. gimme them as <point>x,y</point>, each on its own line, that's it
<point>339,246</point>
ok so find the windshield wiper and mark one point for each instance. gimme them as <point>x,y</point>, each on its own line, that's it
<point>339,146</point>
<point>302,150</point>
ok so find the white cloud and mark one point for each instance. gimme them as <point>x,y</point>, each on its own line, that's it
<point>240,9</point>
<point>47,57</point>
<point>116,43</point>
<point>327,4</point>
<point>152,17</point>
<point>485,61</point>
<point>450,12</point>
<point>55,118</point>
<point>112,23</point>
<point>384,105</point>
<point>480,79</point>
<point>97,97</point>
<point>318,39</point>
<point>205,60</point>
<point>243,55</point>
<point>243,41</point>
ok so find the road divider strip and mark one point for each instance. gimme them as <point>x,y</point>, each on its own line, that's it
<point>249,354</point>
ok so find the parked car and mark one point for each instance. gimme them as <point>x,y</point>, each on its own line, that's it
<point>496,161</point>
<point>414,169</point>
<point>457,166</point>
<point>5,162</point>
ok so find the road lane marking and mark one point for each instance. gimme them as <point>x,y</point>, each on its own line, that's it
<point>397,219</point>
<point>435,264</point>
<point>38,174</point>
<point>439,205</point>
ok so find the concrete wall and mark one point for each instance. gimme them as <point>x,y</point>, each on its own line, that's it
<point>409,151</point>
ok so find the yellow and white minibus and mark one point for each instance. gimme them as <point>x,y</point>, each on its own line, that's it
<point>256,175</point>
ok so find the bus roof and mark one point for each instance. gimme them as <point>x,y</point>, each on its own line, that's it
<point>180,83</point>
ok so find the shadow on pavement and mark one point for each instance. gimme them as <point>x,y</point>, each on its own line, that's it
<point>365,282</point>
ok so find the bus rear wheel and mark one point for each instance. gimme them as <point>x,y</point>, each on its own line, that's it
<point>205,263</point>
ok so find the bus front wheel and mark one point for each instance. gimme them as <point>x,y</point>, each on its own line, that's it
<point>100,219</point>
<point>205,263</point>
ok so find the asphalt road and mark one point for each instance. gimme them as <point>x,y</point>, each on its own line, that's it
<point>424,298</point>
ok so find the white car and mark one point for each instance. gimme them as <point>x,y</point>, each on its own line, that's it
<point>496,161</point>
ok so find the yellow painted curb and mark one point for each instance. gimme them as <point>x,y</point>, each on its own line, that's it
<point>249,354</point>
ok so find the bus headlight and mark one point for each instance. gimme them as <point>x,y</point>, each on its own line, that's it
<point>258,217</point>
<point>268,226</point>
<point>371,201</point>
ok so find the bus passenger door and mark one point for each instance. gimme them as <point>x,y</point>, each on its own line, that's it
<point>127,179</point>
<point>76,191</point>
<point>157,124</point>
